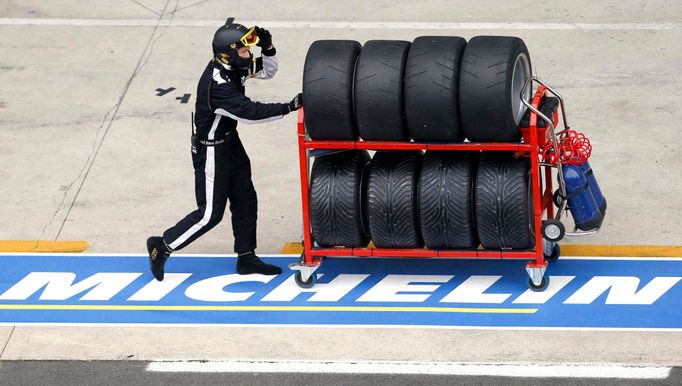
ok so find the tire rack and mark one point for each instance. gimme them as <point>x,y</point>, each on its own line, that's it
<point>533,138</point>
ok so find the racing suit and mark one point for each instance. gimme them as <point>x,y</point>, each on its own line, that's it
<point>222,169</point>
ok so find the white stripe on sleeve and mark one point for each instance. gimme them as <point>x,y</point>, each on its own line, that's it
<point>269,67</point>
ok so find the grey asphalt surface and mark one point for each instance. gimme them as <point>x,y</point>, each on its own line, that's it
<point>134,373</point>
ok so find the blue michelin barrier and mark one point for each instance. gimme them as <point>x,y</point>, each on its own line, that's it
<point>583,293</point>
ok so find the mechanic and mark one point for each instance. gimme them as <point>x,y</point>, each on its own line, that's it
<point>222,169</point>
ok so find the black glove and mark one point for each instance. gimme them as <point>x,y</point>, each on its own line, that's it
<point>296,103</point>
<point>265,38</point>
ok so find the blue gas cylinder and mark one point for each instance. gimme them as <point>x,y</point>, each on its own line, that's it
<point>581,202</point>
<point>594,187</point>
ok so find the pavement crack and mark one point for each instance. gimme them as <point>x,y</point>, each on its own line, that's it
<point>187,6</point>
<point>91,160</point>
<point>7,342</point>
<point>145,7</point>
<point>67,188</point>
<point>161,34</point>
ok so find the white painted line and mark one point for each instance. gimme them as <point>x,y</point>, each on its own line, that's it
<point>421,368</point>
<point>372,25</point>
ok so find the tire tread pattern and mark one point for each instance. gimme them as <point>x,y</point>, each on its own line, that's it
<point>431,89</point>
<point>328,89</point>
<point>392,199</point>
<point>336,199</point>
<point>485,88</point>
<point>379,90</point>
<point>446,209</point>
<point>502,202</point>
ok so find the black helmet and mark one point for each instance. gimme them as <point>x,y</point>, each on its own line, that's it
<point>231,37</point>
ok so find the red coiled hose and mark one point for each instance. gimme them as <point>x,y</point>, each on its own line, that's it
<point>574,149</point>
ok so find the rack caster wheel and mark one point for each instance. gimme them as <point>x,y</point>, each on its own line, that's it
<point>553,230</point>
<point>556,252</point>
<point>305,284</point>
<point>558,199</point>
<point>539,288</point>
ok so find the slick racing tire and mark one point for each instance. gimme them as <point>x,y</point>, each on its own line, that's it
<point>337,199</point>
<point>446,208</point>
<point>328,89</point>
<point>392,199</point>
<point>503,203</point>
<point>379,90</point>
<point>431,89</point>
<point>494,70</point>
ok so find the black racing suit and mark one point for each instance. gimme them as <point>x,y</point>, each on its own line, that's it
<point>222,169</point>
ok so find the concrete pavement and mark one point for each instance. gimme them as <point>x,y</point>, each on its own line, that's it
<point>109,160</point>
<point>294,343</point>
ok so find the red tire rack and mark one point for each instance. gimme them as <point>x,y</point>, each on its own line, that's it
<point>533,139</point>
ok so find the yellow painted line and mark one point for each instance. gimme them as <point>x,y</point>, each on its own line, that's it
<point>291,248</point>
<point>575,250</point>
<point>622,250</point>
<point>42,246</point>
<point>74,307</point>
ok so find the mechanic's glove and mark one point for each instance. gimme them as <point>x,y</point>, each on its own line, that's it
<point>265,38</point>
<point>296,103</point>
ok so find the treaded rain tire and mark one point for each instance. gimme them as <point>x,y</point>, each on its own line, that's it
<point>489,88</point>
<point>502,201</point>
<point>392,199</point>
<point>379,90</point>
<point>336,199</point>
<point>328,89</point>
<point>431,89</point>
<point>446,208</point>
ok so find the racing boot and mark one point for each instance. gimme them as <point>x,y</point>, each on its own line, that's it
<point>250,263</point>
<point>158,254</point>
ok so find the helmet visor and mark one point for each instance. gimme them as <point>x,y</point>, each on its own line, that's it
<point>250,38</point>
